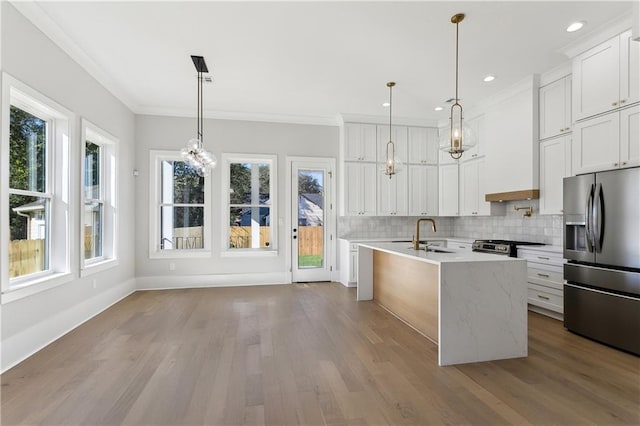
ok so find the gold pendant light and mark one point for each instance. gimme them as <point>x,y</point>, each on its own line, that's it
<point>391,164</point>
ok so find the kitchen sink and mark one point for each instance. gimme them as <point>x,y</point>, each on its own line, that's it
<point>433,250</point>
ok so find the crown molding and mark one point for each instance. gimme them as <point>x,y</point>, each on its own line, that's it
<point>599,35</point>
<point>379,119</point>
<point>319,120</point>
<point>38,17</point>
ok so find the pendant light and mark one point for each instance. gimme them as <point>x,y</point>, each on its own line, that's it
<point>460,135</point>
<point>392,164</point>
<point>195,155</point>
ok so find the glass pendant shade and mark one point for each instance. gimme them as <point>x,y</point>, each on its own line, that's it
<point>458,137</point>
<point>393,164</point>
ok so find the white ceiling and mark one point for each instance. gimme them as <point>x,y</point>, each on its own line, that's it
<point>311,61</point>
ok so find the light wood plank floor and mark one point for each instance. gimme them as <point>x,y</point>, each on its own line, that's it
<point>304,354</point>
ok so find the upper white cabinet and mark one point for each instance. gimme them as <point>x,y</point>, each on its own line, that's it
<point>423,145</point>
<point>392,194</point>
<point>476,124</point>
<point>607,142</point>
<point>606,77</point>
<point>360,188</point>
<point>399,138</point>
<point>472,189</point>
<point>423,190</point>
<point>555,108</point>
<point>359,142</point>
<point>448,189</point>
<point>555,165</point>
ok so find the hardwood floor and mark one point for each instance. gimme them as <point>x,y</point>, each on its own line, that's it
<point>304,354</point>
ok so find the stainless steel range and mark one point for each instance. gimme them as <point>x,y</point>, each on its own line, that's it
<point>506,247</point>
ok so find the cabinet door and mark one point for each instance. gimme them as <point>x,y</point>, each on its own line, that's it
<point>629,69</point>
<point>469,188</point>
<point>399,138</point>
<point>596,144</point>
<point>553,168</point>
<point>392,194</point>
<point>353,266</point>
<point>476,125</point>
<point>630,137</point>
<point>555,109</point>
<point>423,190</point>
<point>368,189</point>
<point>484,207</point>
<point>359,142</point>
<point>596,80</point>
<point>353,196</point>
<point>422,145</point>
<point>448,190</point>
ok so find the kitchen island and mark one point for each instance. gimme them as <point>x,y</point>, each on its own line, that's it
<point>472,305</point>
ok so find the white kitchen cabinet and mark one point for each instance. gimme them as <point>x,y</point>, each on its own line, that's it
<point>392,194</point>
<point>422,145</point>
<point>359,142</point>
<point>423,190</point>
<point>606,142</point>
<point>472,189</point>
<point>476,124</point>
<point>555,108</point>
<point>399,138</point>
<point>545,281</point>
<point>448,190</point>
<point>360,188</point>
<point>555,165</point>
<point>606,77</point>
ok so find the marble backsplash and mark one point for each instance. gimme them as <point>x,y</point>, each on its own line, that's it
<point>545,229</point>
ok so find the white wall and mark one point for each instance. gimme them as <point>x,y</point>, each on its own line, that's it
<point>221,136</point>
<point>30,323</point>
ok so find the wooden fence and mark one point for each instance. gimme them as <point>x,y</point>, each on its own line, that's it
<point>310,238</point>
<point>26,257</point>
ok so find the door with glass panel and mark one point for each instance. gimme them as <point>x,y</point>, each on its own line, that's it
<point>312,219</point>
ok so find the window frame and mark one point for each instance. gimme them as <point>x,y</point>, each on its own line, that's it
<point>272,160</point>
<point>58,177</point>
<point>109,161</point>
<point>156,157</point>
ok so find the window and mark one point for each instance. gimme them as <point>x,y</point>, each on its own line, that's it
<point>35,189</point>
<point>249,212</point>
<point>180,210</point>
<point>99,197</point>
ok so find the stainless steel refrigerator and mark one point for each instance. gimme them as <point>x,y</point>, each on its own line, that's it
<point>602,246</point>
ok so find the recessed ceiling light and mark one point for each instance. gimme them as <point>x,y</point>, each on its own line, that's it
<point>438,108</point>
<point>489,78</point>
<point>575,26</point>
<point>386,104</point>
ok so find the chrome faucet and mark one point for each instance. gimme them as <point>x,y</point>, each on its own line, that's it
<point>416,241</point>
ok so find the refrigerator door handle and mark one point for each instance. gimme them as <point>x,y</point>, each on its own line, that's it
<point>588,210</point>
<point>598,218</point>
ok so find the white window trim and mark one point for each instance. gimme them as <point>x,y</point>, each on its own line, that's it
<point>155,158</point>
<point>227,159</point>
<point>59,176</point>
<point>109,188</point>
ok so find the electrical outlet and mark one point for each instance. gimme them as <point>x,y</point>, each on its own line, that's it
<point>172,266</point>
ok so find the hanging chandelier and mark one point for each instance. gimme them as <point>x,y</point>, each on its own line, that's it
<point>460,135</point>
<point>392,164</point>
<point>195,155</point>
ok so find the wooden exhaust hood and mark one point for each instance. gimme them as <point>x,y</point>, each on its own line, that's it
<point>528,194</point>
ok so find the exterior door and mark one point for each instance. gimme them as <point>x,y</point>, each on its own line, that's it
<point>312,219</point>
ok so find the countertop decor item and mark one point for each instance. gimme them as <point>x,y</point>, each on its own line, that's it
<point>195,155</point>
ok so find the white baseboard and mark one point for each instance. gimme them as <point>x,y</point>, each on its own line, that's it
<point>214,280</point>
<point>38,337</point>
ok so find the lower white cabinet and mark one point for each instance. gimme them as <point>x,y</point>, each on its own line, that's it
<point>545,280</point>
<point>360,188</point>
<point>392,194</point>
<point>423,190</point>
<point>348,252</point>
<point>448,190</point>
<point>555,165</point>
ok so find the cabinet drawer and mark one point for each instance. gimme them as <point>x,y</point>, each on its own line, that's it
<point>548,258</point>
<point>545,297</point>
<point>545,278</point>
